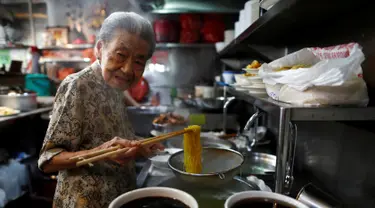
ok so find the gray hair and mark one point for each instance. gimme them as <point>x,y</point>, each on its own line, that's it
<point>130,22</point>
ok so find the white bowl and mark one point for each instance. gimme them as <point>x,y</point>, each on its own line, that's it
<point>255,80</point>
<point>220,46</point>
<point>155,192</point>
<point>251,71</point>
<point>161,160</point>
<point>267,196</point>
<point>228,77</point>
<point>241,79</point>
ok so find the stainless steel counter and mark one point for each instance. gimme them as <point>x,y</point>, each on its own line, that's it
<point>25,114</point>
<point>206,196</point>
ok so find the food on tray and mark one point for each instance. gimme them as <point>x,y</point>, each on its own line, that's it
<point>169,118</point>
<point>193,150</point>
<point>297,66</point>
<point>254,65</point>
<point>250,75</point>
<point>5,111</point>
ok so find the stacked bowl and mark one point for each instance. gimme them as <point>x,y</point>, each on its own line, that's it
<point>250,82</point>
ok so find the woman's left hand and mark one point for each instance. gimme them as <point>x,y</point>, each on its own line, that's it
<point>149,150</point>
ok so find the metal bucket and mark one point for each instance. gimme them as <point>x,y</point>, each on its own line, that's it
<point>22,102</point>
<point>263,199</point>
<point>313,196</point>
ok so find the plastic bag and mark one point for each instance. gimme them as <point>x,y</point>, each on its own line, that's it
<point>334,78</point>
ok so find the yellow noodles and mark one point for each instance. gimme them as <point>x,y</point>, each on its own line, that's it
<point>193,150</point>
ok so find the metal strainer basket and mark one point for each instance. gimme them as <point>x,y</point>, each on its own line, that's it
<point>219,166</point>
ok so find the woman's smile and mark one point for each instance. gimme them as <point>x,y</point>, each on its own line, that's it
<point>123,80</point>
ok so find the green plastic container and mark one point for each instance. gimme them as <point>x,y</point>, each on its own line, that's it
<point>38,83</point>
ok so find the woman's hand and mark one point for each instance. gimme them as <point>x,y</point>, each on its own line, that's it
<point>125,157</point>
<point>149,150</point>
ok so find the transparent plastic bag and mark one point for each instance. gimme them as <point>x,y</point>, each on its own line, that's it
<point>335,71</point>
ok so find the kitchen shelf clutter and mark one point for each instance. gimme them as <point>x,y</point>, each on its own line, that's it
<point>46,60</point>
<point>184,45</point>
<point>290,25</point>
<point>302,23</point>
<point>70,47</point>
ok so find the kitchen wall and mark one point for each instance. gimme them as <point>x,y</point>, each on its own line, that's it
<point>57,9</point>
<point>180,68</point>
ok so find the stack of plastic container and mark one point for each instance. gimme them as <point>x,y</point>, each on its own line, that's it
<point>248,16</point>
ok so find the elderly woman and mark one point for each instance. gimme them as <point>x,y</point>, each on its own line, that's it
<point>89,115</point>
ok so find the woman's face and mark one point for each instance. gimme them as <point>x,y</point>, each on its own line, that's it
<point>123,59</point>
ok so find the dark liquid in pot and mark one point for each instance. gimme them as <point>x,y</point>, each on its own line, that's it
<point>247,203</point>
<point>155,202</point>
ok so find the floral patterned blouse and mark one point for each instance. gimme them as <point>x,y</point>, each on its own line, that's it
<point>87,112</point>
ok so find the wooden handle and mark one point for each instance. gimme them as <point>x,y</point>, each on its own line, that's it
<point>112,151</point>
<point>95,153</point>
<point>162,137</point>
<point>101,157</point>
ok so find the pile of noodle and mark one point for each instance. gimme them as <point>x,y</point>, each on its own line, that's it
<point>193,150</point>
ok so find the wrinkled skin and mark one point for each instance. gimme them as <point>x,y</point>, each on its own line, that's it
<point>123,59</point>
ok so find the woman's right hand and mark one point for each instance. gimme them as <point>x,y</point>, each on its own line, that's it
<point>125,157</point>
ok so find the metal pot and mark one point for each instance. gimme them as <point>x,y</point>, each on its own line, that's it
<point>259,164</point>
<point>141,118</point>
<point>19,101</point>
<point>205,104</point>
<point>313,196</point>
<point>167,128</point>
<point>161,159</point>
<point>219,167</point>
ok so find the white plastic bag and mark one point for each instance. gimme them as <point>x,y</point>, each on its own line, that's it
<point>335,77</point>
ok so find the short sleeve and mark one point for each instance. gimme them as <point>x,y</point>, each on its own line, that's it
<point>65,127</point>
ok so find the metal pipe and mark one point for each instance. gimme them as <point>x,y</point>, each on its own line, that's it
<point>282,149</point>
<point>225,110</point>
<point>252,119</point>
<point>31,22</point>
<point>292,143</point>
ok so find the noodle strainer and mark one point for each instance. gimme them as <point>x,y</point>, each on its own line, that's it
<point>219,166</point>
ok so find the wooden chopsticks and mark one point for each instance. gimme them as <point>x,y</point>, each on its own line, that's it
<point>112,151</point>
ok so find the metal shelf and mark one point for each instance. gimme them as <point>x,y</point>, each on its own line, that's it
<point>275,26</point>
<point>77,60</point>
<point>22,2</point>
<point>184,45</point>
<point>6,47</point>
<point>307,113</point>
<point>24,114</point>
<point>70,47</point>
